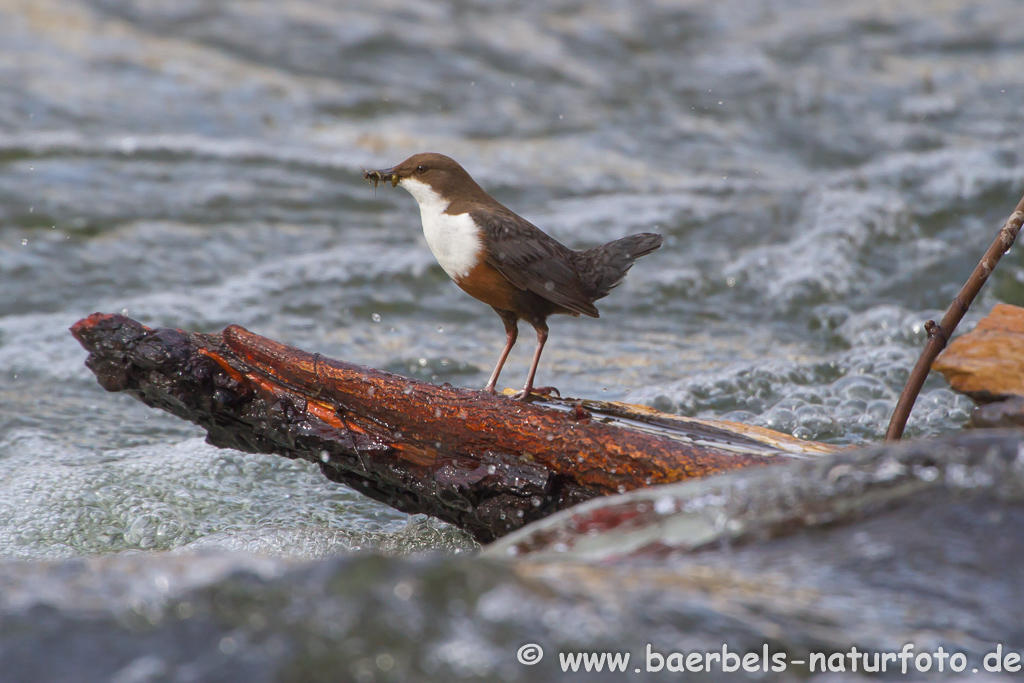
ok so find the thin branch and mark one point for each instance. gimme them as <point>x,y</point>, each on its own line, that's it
<point>939,334</point>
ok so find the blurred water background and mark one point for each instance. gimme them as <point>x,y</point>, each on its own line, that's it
<point>826,175</point>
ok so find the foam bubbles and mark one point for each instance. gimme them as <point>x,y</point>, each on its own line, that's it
<point>847,399</point>
<point>188,496</point>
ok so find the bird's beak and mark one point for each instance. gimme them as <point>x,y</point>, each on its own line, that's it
<point>381,176</point>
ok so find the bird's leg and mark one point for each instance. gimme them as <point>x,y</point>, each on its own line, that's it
<point>511,323</point>
<point>542,337</point>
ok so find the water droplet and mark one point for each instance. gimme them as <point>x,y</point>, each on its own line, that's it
<point>560,117</point>
<point>622,489</point>
<point>31,209</point>
<point>24,242</point>
<point>403,591</point>
<point>491,469</point>
<point>444,362</point>
<point>440,329</point>
<point>665,505</point>
<point>730,281</point>
<point>549,286</point>
<point>551,437</point>
<point>376,317</point>
<point>325,456</point>
<point>422,362</point>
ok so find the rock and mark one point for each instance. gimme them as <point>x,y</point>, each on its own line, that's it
<point>987,363</point>
<point>999,415</point>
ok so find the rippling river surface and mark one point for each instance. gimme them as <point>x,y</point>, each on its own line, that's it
<point>826,176</point>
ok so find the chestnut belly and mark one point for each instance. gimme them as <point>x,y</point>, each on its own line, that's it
<point>486,283</point>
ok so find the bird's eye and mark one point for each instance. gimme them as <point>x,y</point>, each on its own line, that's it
<point>421,169</point>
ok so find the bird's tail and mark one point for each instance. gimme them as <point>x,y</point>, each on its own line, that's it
<point>604,267</point>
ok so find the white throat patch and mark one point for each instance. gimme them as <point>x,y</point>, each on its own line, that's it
<point>454,240</point>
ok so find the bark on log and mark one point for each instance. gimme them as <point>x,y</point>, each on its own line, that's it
<point>485,463</point>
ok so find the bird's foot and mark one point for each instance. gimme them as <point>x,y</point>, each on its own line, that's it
<point>540,392</point>
<point>489,389</point>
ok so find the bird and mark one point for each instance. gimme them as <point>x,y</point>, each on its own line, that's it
<point>503,260</point>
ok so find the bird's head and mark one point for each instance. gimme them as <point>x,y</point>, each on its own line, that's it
<point>426,176</point>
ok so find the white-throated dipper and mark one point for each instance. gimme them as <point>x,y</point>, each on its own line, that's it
<point>504,260</point>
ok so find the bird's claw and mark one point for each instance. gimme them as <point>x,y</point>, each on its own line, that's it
<point>539,392</point>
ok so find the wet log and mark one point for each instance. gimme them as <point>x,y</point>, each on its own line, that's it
<point>905,482</point>
<point>484,463</point>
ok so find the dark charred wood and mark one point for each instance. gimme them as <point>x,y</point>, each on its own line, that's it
<point>485,463</point>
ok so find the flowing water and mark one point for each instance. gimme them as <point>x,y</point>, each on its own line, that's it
<point>826,175</point>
